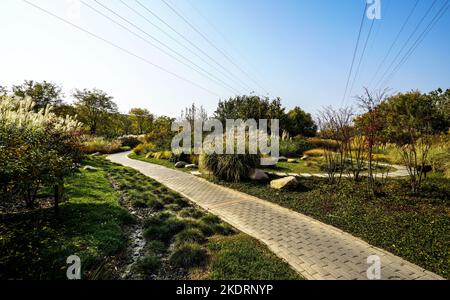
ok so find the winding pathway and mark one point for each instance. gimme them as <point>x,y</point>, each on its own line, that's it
<point>316,250</point>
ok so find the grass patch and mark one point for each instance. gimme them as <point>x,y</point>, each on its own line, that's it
<point>239,257</point>
<point>34,245</point>
<point>415,227</point>
<point>189,255</point>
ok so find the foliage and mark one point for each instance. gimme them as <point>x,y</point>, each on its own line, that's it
<point>315,153</point>
<point>317,142</point>
<point>144,148</point>
<point>188,255</point>
<point>129,140</point>
<point>240,257</point>
<point>411,119</point>
<point>230,167</point>
<point>298,122</point>
<point>250,107</point>
<point>161,134</point>
<point>43,94</point>
<point>293,147</point>
<point>93,107</point>
<point>141,119</point>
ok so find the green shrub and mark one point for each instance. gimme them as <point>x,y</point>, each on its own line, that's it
<point>131,141</point>
<point>125,148</point>
<point>163,155</point>
<point>188,256</point>
<point>163,226</point>
<point>148,265</point>
<point>295,147</point>
<point>143,149</point>
<point>229,167</point>
<point>156,247</point>
<point>190,235</point>
<point>101,145</point>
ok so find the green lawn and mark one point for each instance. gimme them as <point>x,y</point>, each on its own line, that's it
<point>35,245</point>
<point>415,227</point>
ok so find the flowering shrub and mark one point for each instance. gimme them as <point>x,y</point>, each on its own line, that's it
<point>37,149</point>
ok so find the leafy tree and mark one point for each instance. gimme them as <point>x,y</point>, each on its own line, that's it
<point>441,102</point>
<point>94,107</point>
<point>161,135</point>
<point>193,113</point>
<point>142,120</point>
<point>250,107</point>
<point>38,149</point>
<point>42,93</point>
<point>3,91</point>
<point>298,122</point>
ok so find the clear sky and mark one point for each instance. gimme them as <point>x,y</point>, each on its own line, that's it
<point>299,50</point>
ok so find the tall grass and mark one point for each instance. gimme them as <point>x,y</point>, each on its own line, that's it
<point>229,167</point>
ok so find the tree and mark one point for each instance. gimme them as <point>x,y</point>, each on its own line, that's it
<point>441,102</point>
<point>194,113</point>
<point>370,125</point>
<point>93,107</point>
<point>411,119</point>
<point>298,122</point>
<point>250,107</point>
<point>161,135</point>
<point>142,120</point>
<point>42,93</point>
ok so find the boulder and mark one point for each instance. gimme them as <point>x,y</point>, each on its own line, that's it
<point>191,166</point>
<point>196,173</point>
<point>282,159</point>
<point>90,168</point>
<point>258,175</point>
<point>305,157</point>
<point>292,161</point>
<point>284,183</point>
<point>181,164</point>
<point>96,154</point>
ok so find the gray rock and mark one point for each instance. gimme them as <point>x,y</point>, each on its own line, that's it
<point>191,166</point>
<point>196,173</point>
<point>282,159</point>
<point>90,168</point>
<point>292,161</point>
<point>180,164</point>
<point>258,175</point>
<point>96,154</point>
<point>305,157</point>
<point>284,183</point>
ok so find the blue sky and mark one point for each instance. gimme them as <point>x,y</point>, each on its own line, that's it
<point>299,50</point>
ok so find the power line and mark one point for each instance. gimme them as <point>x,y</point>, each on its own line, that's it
<point>119,47</point>
<point>419,40</point>
<point>211,43</point>
<point>181,44</point>
<point>354,53</point>
<point>406,43</point>
<point>362,56</point>
<point>188,41</point>
<point>207,74</point>
<point>394,42</point>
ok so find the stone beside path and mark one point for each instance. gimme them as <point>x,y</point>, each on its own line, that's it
<point>316,250</point>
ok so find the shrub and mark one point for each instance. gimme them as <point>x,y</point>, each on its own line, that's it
<point>323,143</point>
<point>162,226</point>
<point>38,149</point>
<point>188,256</point>
<point>229,167</point>
<point>149,264</point>
<point>191,212</point>
<point>129,141</point>
<point>156,247</point>
<point>163,155</point>
<point>101,145</point>
<point>294,147</point>
<point>145,148</point>
<point>190,235</point>
<point>315,153</point>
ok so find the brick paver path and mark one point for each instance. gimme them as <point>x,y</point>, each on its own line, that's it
<point>314,249</point>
